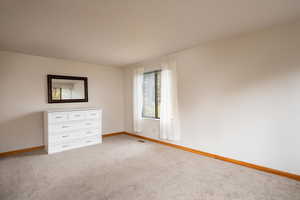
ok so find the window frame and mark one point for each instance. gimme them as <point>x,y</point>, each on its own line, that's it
<point>156,94</point>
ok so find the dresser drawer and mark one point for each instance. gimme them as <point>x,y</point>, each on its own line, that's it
<point>89,132</point>
<point>92,114</point>
<point>58,117</point>
<point>61,137</point>
<point>60,147</point>
<point>89,124</point>
<point>63,127</point>
<point>77,115</point>
<point>90,140</point>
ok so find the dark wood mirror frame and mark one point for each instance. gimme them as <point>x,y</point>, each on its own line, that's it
<point>49,80</point>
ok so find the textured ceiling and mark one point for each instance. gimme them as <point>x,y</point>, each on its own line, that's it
<point>121,32</point>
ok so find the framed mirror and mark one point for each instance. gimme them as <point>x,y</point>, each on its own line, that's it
<point>67,89</point>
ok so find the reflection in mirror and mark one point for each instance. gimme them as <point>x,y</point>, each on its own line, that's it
<point>67,89</point>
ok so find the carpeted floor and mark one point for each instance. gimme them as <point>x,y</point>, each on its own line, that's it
<point>125,169</point>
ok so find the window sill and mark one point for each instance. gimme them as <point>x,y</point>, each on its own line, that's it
<point>149,118</point>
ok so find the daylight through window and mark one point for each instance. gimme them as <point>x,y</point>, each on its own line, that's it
<point>151,92</point>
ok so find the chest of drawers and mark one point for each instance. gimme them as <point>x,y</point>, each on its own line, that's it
<point>69,129</point>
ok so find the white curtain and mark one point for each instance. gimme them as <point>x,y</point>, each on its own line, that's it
<point>138,99</point>
<point>169,116</point>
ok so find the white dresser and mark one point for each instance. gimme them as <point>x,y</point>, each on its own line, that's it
<point>71,128</point>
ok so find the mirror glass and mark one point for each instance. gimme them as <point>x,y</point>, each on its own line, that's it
<point>67,89</point>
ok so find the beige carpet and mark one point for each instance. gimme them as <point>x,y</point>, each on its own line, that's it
<point>122,168</point>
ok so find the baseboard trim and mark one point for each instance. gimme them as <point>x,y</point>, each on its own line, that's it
<point>112,134</point>
<point>245,164</point>
<point>10,153</point>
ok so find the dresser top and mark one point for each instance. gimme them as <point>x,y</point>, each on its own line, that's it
<point>70,109</point>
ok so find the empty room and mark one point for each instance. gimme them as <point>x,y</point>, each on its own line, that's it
<point>149,100</point>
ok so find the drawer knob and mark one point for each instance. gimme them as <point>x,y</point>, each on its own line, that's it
<point>77,115</point>
<point>65,146</point>
<point>64,136</point>
<point>58,117</point>
<point>65,126</point>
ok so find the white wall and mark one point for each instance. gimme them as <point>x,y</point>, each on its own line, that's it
<point>23,96</point>
<point>239,98</point>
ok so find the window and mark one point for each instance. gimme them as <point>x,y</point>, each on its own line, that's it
<point>56,93</point>
<point>151,94</point>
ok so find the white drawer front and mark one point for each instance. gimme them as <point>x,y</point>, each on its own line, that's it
<point>92,114</point>
<point>90,132</point>
<point>61,137</point>
<point>75,143</point>
<point>77,115</point>
<point>89,124</point>
<point>60,147</point>
<point>90,140</point>
<point>58,117</point>
<point>63,127</point>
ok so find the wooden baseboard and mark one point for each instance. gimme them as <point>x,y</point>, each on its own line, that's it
<point>113,134</point>
<point>10,153</point>
<point>249,165</point>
